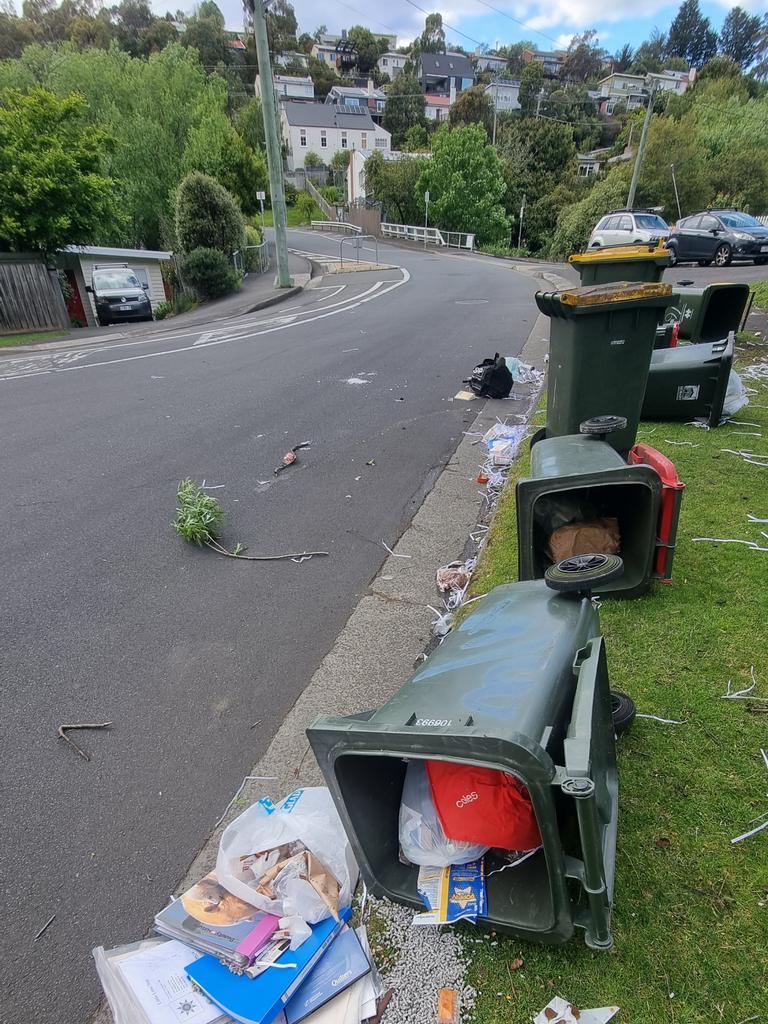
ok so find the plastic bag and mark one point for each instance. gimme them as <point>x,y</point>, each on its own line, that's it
<point>121,1002</point>
<point>422,838</point>
<point>735,396</point>
<point>306,816</point>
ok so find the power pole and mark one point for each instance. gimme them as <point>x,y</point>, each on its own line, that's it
<point>272,139</point>
<point>640,150</point>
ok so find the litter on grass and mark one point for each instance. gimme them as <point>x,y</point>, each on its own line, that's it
<point>664,721</point>
<point>729,540</point>
<point>560,1011</point>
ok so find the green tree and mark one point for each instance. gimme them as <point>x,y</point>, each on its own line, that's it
<point>740,37</point>
<point>282,26</point>
<point>312,159</point>
<point>531,85</point>
<point>584,58</point>
<point>86,31</point>
<point>340,160</point>
<point>207,216</point>
<point>416,139</point>
<point>369,48</point>
<point>395,184</point>
<point>404,107</point>
<point>323,77</point>
<point>132,19</point>
<point>15,34</point>
<point>466,184</point>
<point>249,124</point>
<point>159,34</point>
<point>576,221</point>
<point>206,35</point>
<point>52,173</point>
<point>432,39</point>
<point>691,36</point>
<point>215,148</point>
<point>209,273</point>
<point>673,141</point>
<point>472,106</point>
<point>623,58</point>
<point>649,54</point>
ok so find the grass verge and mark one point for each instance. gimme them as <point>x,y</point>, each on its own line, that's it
<point>760,289</point>
<point>296,217</point>
<point>8,341</point>
<point>691,910</point>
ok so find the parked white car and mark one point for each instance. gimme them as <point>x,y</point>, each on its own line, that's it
<point>626,227</point>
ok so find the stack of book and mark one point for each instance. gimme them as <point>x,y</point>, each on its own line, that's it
<point>221,960</point>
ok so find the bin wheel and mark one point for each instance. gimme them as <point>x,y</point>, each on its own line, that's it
<point>623,711</point>
<point>581,572</point>
<point>602,424</point>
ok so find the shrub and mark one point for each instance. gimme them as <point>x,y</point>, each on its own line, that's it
<point>252,237</point>
<point>575,222</point>
<point>207,216</point>
<point>163,309</point>
<point>209,273</point>
<point>331,193</point>
<point>312,160</point>
<point>291,193</point>
<point>307,207</point>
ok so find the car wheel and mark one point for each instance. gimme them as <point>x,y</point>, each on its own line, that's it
<point>623,711</point>
<point>705,263</point>
<point>672,255</point>
<point>723,255</point>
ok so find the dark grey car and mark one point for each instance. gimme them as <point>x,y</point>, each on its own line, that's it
<point>718,236</point>
<point>119,295</point>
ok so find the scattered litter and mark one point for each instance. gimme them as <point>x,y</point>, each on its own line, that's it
<point>752,832</point>
<point>453,580</point>
<point>394,553</point>
<point>701,424</point>
<point>356,380</point>
<point>690,444</point>
<point>664,721</point>
<point>350,350</point>
<point>744,694</point>
<point>443,624</point>
<point>254,724</point>
<point>47,924</point>
<point>560,1011</point>
<point>372,462</point>
<point>358,478</point>
<point>524,373</point>
<point>730,540</point>
<point>452,893</point>
<point>755,519</point>
<point>516,964</point>
<point>465,396</point>
<point>63,729</point>
<point>398,399</point>
<point>744,423</point>
<point>290,456</point>
<point>744,433</point>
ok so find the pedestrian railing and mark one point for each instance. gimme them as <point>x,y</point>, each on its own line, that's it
<point>252,259</point>
<point>356,240</point>
<point>429,236</point>
<point>325,207</point>
<point>335,225</point>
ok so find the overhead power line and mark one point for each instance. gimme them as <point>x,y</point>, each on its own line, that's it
<point>517,21</point>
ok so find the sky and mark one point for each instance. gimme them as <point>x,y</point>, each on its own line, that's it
<point>554,21</point>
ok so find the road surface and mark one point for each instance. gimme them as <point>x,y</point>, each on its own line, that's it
<point>195,658</point>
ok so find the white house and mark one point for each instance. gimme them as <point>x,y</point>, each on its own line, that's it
<point>78,261</point>
<point>504,94</point>
<point>391,63</point>
<point>490,62</point>
<point>290,86</point>
<point>326,129</point>
<point>436,107</point>
<point>355,96</point>
<point>290,57</point>
<point>672,81</point>
<point>635,89</point>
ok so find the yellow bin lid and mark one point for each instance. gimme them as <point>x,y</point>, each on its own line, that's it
<point>617,291</point>
<point>613,253</point>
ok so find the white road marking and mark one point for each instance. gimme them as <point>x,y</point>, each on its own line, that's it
<point>375,291</point>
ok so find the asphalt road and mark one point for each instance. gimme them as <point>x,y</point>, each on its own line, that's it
<point>108,616</point>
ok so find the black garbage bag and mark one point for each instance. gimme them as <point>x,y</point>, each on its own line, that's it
<point>491,378</point>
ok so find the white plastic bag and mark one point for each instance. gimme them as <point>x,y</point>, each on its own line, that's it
<point>422,839</point>
<point>308,816</point>
<point>735,396</point>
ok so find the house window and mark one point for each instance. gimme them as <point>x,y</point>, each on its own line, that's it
<point>323,138</point>
<point>302,137</point>
<point>343,140</point>
<point>364,140</point>
<point>384,62</point>
<point>381,143</point>
<point>379,105</point>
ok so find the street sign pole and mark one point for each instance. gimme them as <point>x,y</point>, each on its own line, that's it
<point>261,196</point>
<point>426,216</point>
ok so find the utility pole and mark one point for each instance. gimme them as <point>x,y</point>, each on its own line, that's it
<point>272,139</point>
<point>641,150</point>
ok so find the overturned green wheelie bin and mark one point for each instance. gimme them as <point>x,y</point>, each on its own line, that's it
<point>601,340</point>
<point>582,492</point>
<point>621,263</point>
<point>520,687</point>
<point>691,382</point>
<point>709,313</point>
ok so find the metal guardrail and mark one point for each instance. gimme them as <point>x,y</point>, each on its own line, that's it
<point>429,236</point>
<point>357,239</point>
<point>252,259</point>
<point>335,225</point>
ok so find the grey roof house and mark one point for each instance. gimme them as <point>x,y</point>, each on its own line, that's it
<point>327,128</point>
<point>445,73</point>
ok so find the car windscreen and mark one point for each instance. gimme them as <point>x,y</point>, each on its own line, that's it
<point>739,220</point>
<point>104,280</point>
<point>650,222</point>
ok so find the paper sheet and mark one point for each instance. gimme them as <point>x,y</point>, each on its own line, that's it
<point>160,985</point>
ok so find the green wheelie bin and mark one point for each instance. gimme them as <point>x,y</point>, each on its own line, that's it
<point>690,382</point>
<point>621,263</point>
<point>521,688</point>
<point>709,313</point>
<point>578,483</point>
<point>601,340</point>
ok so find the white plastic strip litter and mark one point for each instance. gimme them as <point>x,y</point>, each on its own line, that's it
<point>752,832</point>
<point>690,444</point>
<point>755,519</point>
<point>730,540</point>
<point>664,721</point>
<point>394,553</point>
<point>746,693</point>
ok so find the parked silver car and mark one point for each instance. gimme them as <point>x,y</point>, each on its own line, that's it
<point>118,294</point>
<point>625,227</point>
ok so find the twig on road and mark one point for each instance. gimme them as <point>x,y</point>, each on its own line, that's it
<point>49,922</point>
<point>63,729</point>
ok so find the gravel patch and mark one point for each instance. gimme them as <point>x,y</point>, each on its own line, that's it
<point>416,962</point>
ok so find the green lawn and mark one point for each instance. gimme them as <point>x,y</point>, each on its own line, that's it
<point>691,910</point>
<point>760,288</point>
<point>295,217</point>
<point>28,339</point>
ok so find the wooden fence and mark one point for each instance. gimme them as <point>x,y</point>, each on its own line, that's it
<point>30,295</point>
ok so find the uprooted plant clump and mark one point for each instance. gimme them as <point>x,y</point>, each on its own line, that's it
<point>199,516</point>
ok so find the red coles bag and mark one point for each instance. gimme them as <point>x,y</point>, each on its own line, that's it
<point>483,805</point>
